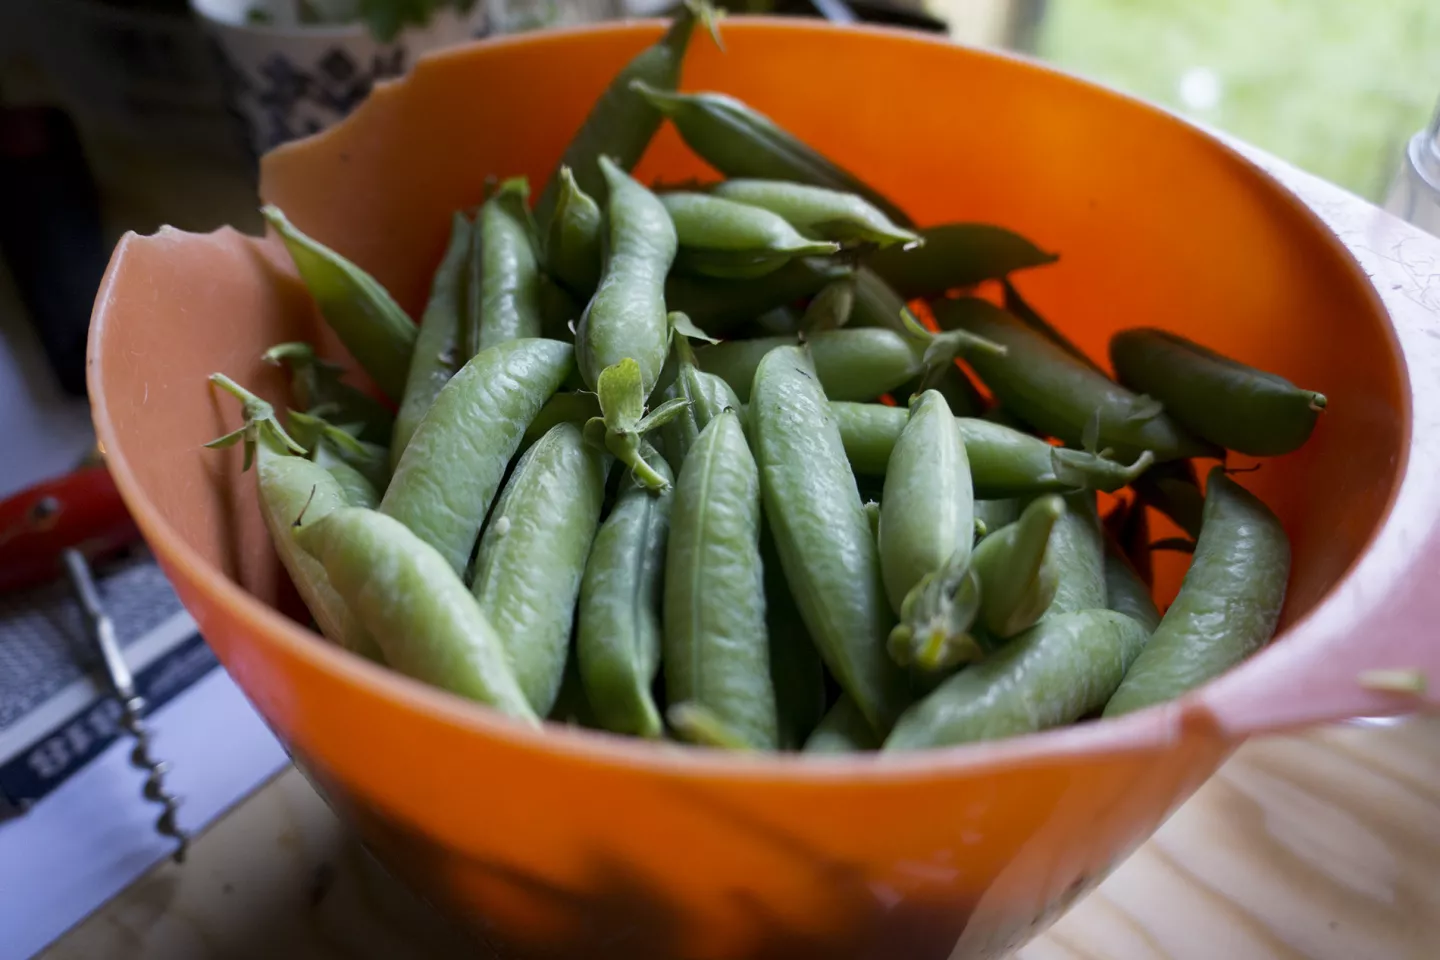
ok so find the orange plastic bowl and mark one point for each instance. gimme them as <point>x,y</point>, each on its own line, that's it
<point>568,843</point>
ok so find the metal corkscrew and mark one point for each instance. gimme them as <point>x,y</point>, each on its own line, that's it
<point>132,706</point>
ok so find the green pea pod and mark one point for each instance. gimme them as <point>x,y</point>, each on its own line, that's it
<point>505,279</point>
<point>927,512</point>
<point>1017,570</point>
<point>859,364</point>
<point>1173,489</point>
<point>295,493</point>
<point>1126,593</point>
<point>426,622</point>
<point>450,472</point>
<point>532,556</point>
<point>437,346</point>
<point>316,387</point>
<point>1077,551</point>
<point>877,304</point>
<point>842,730</point>
<point>573,245</point>
<point>776,321</point>
<point>705,396</point>
<point>741,142</point>
<point>819,211</point>
<point>331,445</point>
<point>1238,407</point>
<point>956,255</point>
<point>995,515</point>
<point>1056,672</point>
<point>576,407</point>
<point>1003,462</point>
<point>1053,391</point>
<point>617,640</point>
<point>716,647</point>
<point>1228,605</point>
<point>363,315</point>
<point>335,459</point>
<point>729,240</point>
<point>829,309</point>
<point>622,122</point>
<point>718,306</point>
<point>826,547</point>
<point>627,317</point>
<point>795,666</point>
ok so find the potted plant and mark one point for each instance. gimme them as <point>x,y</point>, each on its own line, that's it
<point>294,67</point>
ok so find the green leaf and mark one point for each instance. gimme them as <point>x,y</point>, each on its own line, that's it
<point>621,390</point>
<point>683,325</point>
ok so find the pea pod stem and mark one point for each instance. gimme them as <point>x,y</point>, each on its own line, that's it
<point>623,422</point>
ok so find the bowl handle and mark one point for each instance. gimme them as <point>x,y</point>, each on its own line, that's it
<point>1385,614</point>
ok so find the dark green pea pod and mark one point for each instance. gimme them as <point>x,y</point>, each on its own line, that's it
<point>617,638</point>
<point>316,387</point>
<point>427,624</point>
<point>956,255</point>
<point>877,304</point>
<point>626,319</point>
<point>819,211</point>
<point>718,306</point>
<point>957,389</point>
<point>830,308</point>
<point>1020,308</point>
<point>505,279</point>
<point>362,469</point>
<point>622,122</point>
<point>992,516</point>
<point>1127,528</point>
<point>532,556</point>
<point>1077,552</point>
<point>559,312</point>
<point>574,249</point>
<point>295,493</point>
<point>577,407</point>
<point>1003,462</point>
<point>716,645</point>
<point>772,323</point>
<point>1053,391</point>
<point>378,334</point>
<point>826,545</point>
<point>729,240</point>
<point>795,665</point>
<point>1018,572</point>
<point>842,730</point>
<point>437,346</point>
<point>623,421</point>
<point>859,364</point>
<point>449,474</point>
<point>1053,674</point>
<point>1125,592</point>
<point>705,396</point>
<point>741,142</point>
<point>1173,489</point>
<point>1228,605</point>
<point>1226,402</point>
<point>572,705</point>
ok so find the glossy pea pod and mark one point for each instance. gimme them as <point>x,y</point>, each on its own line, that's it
<point>378,334</point>
<point>1126,592</point>
<point>1077,550</point>
<point>505,282</point>
<point>574,248</point>
<point>843,729</point>
<point>819,211</point>
<point>739,141</point>
<point>619,629</point>
<point>627,318</point>
<point>853,365</point>
<point>426,622</point>
<point>317,386</point>
<point>825,543</point>
<point>705,396</point>
<point>1053,391</point>
<point>437,346</point>
<point>728,240</point>
<point>621,123</point>
<point>716,647</point>
<point>1018,572</point>
<point>1226,402</point>
<point>956,255</point>
<point>1064,667</point>
<point>1228,605</point>
<point>448,476</point>
<point>532,556</point>
<point>719,306</point>
<point>1003,462</point>
<point>295,493</point>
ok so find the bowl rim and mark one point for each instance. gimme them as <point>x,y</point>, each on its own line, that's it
<point>1152,729</point>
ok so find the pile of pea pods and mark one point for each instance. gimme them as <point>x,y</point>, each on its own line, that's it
<point>684,464</point>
